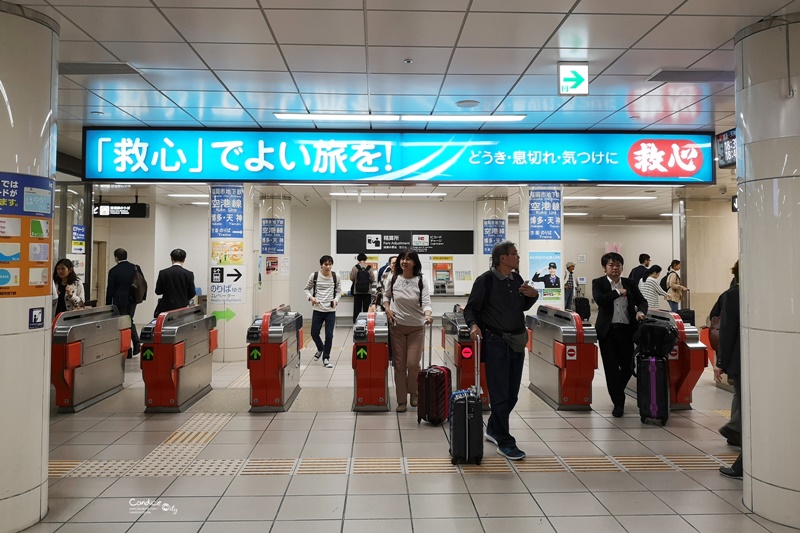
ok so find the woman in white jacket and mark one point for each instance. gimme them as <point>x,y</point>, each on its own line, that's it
<point>67,288</point>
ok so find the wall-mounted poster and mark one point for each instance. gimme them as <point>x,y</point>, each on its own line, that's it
<point>544,268</point>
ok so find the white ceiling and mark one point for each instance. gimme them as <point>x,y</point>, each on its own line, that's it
<point>232,63</point>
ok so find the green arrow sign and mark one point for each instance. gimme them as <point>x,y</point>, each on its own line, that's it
<point>147,354</point>
<point>573,79</point>
<point>361,353</point>
<point>227,314</point>
<point>255,354</point>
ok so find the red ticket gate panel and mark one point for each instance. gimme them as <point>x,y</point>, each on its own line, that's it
<point>274,376</point>
<point>370,366</point>
<point>577,363</point>
<point>176,358</point>
<point>88,356</point>
<point>465,370</point>
<point>687,362</point>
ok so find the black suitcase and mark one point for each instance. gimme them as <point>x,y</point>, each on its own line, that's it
<point>655,338</point>
<point>466,420</point>
<point>652,388</point>
<point>434,389</point>
<point>583,308</point>
<point>687,315</point>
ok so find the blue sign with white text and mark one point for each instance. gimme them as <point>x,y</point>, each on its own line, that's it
<point>544,214</point>
<point>494,231</point>
<point>227,212</point>
<point>255,155</point>
<point>24,195</point>
<point>272,235</point>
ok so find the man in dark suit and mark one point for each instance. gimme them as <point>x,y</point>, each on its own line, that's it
<point>640,271</point>
<point>175,284</point>
<point>620,306</point>
<point>119,293</point>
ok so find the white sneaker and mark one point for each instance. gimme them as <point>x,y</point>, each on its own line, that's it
<point>490,438</point>
<point>327,363</point>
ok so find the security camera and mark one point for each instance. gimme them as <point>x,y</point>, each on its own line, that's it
<point>441,199</point>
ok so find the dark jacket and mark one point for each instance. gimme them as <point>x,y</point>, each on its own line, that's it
<point>604,297</point>
<point>119,292</point>
<point>729,356</point>
<point>637,273</point>
<point>501,308</point>
<point>546,280</point>
<point>175,285</point>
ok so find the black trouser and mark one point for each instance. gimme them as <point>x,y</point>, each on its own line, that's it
<point>130,311</point>
<point>503,378</point>
<point>318,318</point>
<point>360,304</point>
<point>616,349</point>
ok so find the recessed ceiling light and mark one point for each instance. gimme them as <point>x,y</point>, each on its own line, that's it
<point>462,118</point>
<point>467,104</point>
<point>199,203</point>
<point>408,61</point>
<point>340,117</point>
<point>575,214</point>
<point>188,195</point>
<point>610,197</point>
<point>96,113</point>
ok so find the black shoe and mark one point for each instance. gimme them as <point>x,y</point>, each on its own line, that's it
<point>734,438</point>
<point>727,471</point>
<point>618,412</point>
<point>136,349</point>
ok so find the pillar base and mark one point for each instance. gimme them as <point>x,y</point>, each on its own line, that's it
<point>24,510</point>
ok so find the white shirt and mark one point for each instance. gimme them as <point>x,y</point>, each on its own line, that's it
<point>620,304</point>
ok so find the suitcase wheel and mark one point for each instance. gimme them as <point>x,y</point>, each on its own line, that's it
<point>644,419</point>
<point>664,421</point>
<point>454,461</point>
<point>478,461</point>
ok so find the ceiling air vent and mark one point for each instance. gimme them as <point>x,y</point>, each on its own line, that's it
<point>692,76</point>
<point>106,69</point>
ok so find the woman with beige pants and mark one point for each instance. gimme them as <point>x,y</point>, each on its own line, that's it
<point>407,301</point>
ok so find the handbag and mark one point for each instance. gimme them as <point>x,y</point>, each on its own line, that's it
<point>713,333</point>
<point>516,341</point>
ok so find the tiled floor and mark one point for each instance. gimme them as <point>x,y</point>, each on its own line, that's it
<point>321,467</point>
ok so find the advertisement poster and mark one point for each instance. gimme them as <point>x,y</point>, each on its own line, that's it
<point>544,268</point>
<point>544,214</point>
<point>225,252</point>
<point>26,205</point>
<point>271,263</point>
<point>273,232</point>
<point>494,231</point>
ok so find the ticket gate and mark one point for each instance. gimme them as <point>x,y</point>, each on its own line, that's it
<point>563,358</point>
<point>88,356</point>
<point>274,342</point>
<point>686,361</point>
<point>371,362</point>
<point>459,353</point>
<point>176,359</point>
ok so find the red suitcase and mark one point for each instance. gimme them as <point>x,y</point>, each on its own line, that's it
<point>434,387</point>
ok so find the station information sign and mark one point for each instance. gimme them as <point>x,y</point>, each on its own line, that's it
<point>322,157</point>
<point>121,210</point>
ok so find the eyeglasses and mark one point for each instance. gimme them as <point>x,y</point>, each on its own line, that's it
<point>613,265</point>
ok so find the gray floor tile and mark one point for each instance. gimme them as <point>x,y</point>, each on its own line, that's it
<point>110,510</point>
<point>377,484</point>
<point>655,524</point>
<point>725,524</point>
<point>79,487</point>
<point>512,525</point>
<point>313,484</point>
<point>609,481</point>
<point>576,504</point>
<point>237,437</point>
<point>245,527</point>
<point>595,524</point>
<point>78,452</point>
<point>326,436</point>
<point>258,486</point>
<point>666,481</point>
<point>311,508</point>
<point>561,435</point>
<point>198,486</point>
<point>373,526</point>
<point>574,449</point>
<point>624,448</point>
<point>772,527</point>
<point>377,449</point>
<point>713,480</point>
<point>733,497</point>
<point>121,452</point>
<point>605,434</point>
<point>494,483</point>
<point>97,437</point>
<point>292,437</point>
<point>46,527</point>
<point>165,527</point>
<point>251,508</point>
<point>138,487</point>
<point>377,435</point>
<point>505,505</point>
<point>144,437</point>
<point>181,509</point>
<point>226,451</point>
<point>552,482</point>
<point>107,527</point>
<point>442,506</point>
<point>447,525</point>
<point>632,503</point>
<point>696,502</point>
<point>282,450</point>
<point>327,449</point>
<point>376,507</point>
<point>63,509</point>
<point>436,484</point>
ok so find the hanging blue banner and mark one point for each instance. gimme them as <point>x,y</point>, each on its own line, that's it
<point>494,231</point>
<point>544,214</point>
<point>227,212</point>
<point>309,157</point>
<point>273,231</point>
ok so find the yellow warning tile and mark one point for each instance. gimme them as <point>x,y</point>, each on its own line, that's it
<point>207,422</point>
<point>214,467</point>
<point>190,437</point>
<point>268,467</point>
<point>61,468</point>
<point>312,465</point>
<point>432,465</point>
<point>242,382</point>
<point>727,458</point>
<point>693,462</point>
<point>377,465</point>
<point>591,463</point>
<point>647,463</point>
<point>489,465</point>
<point>539,464</point>
<point>103,469</point>
<point>723,412</point>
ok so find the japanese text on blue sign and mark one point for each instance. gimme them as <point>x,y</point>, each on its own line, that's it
<point>227,212</point>
<point>272,235</point>
<point>544,214</point>
<point>216,155</point>
<point>494,231</point>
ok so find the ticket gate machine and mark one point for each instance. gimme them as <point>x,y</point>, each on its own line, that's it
<point>686,361</point>
<point>88,356</point>
<point>563,358</point>
<point>371,362</point>
<point>274,342</point>
<point>176,359</point>
<point>459,353</point>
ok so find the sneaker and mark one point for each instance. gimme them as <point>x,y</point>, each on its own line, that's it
<point>401,408</point>
<point>327,363</point>
<point>727,471</point>
<point>734,438</point>
<point>317,356</point>
<point>513,453</point>
<point>490,438</point>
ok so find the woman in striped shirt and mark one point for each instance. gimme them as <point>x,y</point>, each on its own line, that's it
<point>650,288</point>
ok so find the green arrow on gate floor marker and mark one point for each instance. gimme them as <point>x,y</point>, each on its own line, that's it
<point>361,353</point>
<point>147,354</point>
<point>255,354</point>
<point>227,314</point>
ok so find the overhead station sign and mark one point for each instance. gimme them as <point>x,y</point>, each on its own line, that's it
<point>573,79</point>
<point>121,210</point>
<point>321,157</point>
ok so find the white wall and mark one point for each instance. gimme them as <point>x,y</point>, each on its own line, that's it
<point>310,233</point>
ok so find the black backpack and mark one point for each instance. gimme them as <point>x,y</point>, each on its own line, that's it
<point>138,286</point>
<point>335,284</point>
<point>663,282</point>
<point>363,280</point>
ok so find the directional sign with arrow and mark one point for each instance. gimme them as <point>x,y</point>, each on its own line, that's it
<point>228,284</point>
<point>227,314</point>
<point>361,353</point>
<point>255,354</point>
<point>573,79</point>
<point>147,354</point>
<point>236,275</point>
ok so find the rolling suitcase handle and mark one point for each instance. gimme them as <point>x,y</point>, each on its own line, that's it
<point>477,345</point>
<point>430,344</point>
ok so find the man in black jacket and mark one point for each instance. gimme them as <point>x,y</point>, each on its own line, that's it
<point>175,284</point>
<point>120,294</point>
<point>620,307</point>
<point>640,271</point>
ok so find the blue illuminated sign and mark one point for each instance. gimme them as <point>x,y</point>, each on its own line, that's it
<point>254,155</point>
<point>494,231</point>
<point>544,214</point>
<point>272,235</point>
<point>227,212</point>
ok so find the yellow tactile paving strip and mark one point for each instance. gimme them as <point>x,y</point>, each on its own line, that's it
<point>268,467</point>
<point>540,464</point>
<point>62,468</point>
<point>323,466</point>
<point>727,459</point>
<point>693,462</point>
<point>103,469</point>
<point>376,465</point>
<point>207,422</point>
<point>723,412</point>
<point>642,463</point>
<point>190,437</point>
<point>242,382</point>
<point>430,465</point>
<point>597,463</point>
<point>489,465</point>
<point>214,467</point>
